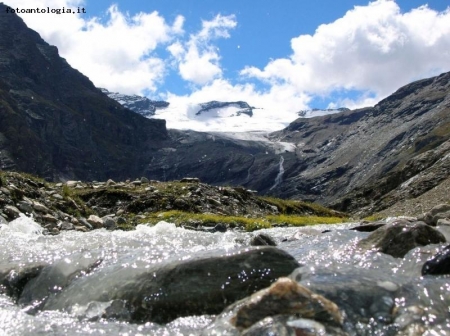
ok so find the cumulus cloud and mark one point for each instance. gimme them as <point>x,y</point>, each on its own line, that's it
<point>354,61</point>
<point>198,59</point>
<point>118,53</point>
<point>373,48</point>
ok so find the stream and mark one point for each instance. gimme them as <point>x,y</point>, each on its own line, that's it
<point>380,295</point>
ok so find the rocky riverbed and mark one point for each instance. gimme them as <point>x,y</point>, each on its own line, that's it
<point>389,277</point>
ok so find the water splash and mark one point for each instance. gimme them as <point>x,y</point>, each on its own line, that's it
<point>279,177</point>
<point>25,225</point>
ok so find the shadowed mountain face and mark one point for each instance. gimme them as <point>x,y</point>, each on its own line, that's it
<point>55,123</point>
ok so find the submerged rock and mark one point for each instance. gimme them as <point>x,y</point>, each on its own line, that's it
<point>397,238</point>
<point>286,297</point>
<point>369,227</point>
<point>262,240</point>
<point>13,278</point>
<point>439,264</point>
<point>286,308</point>
<point>162,292</point>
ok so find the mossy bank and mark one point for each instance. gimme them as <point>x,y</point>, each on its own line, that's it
<point>83,206</point>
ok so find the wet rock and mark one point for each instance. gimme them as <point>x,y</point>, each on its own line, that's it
<point>11,211</point>
<point>398,238</point>
<point>439,264</point>
<point>285,297</point>
<point>13,279</point>
<point>220,227</point>
<point>203,285</point>
<point>53,278</point>
<point>369,227</point>
<point>109,223</point>
<point>262,240</point>
<point>66,226</point>
<point>95,221</point>
<point>26,207</point>
<point>361,295</point>
<point>144,180</point>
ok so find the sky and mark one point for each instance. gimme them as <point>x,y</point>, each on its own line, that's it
<point>282,57</point>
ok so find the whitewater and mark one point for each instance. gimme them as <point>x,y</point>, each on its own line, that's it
<point>328,254</point>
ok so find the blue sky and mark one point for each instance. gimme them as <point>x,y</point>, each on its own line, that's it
<point>282,56</point>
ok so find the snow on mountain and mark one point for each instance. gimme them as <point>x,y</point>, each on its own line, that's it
<point>138,104</point>
<point>215,116</point>
<point>319,112</point>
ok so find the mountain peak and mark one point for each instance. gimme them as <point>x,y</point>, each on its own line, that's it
<point>139,104</point>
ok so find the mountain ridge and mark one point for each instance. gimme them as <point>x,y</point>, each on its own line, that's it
<point>54,122</point>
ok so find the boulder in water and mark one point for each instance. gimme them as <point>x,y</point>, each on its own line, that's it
<point>262,240</point>
<point>397,238</point>
<point>205,284</point>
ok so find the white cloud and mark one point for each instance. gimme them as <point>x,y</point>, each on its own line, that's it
<point>198,60</point>
<point>373,48</point>
<point>117,54</point>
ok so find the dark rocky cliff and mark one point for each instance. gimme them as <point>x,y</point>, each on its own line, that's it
<point>55,123</point>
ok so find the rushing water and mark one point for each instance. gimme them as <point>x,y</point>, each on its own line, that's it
<point>332,264</point>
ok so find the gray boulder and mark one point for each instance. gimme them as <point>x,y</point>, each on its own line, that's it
<point>11,211</point>
<point>441,211</point>
<point>163,292</point>
<point>397,238</point>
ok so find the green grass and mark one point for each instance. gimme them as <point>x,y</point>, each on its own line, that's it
<point>249,224</point>
<point>294,207</point>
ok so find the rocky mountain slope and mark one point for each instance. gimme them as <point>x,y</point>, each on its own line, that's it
<point>55,123</point>
<point>374,157</point>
